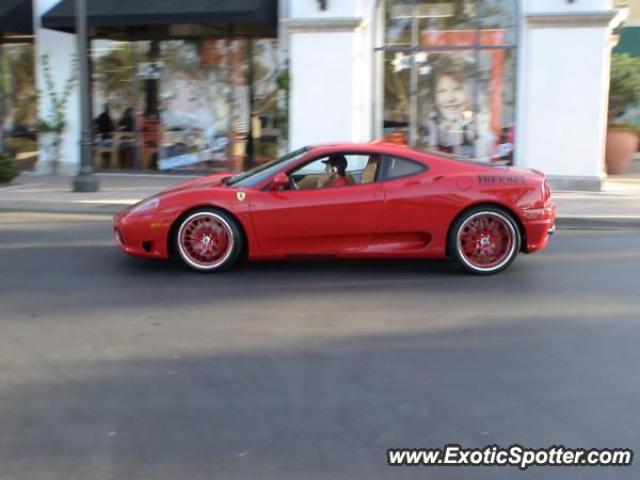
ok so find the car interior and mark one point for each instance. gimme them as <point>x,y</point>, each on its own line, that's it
<point>361,169</point>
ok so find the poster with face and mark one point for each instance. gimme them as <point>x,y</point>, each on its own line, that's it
<point>452,99</point>
<point>446,119</point>
<point>460,104</point>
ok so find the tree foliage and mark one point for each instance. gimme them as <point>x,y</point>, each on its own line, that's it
<point>624,90</point>
<point>9,168</point>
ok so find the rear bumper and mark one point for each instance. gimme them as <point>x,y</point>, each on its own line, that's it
<point>540,225</point>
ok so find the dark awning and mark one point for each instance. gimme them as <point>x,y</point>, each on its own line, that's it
<point>16,16</point>
<point>133,14</point>
<point>629,41</point>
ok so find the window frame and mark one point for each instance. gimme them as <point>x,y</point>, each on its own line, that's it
<point>301,165</point>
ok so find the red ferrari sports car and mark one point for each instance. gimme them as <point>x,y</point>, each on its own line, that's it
<point>347,201</point>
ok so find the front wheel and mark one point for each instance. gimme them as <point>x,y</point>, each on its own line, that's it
<point>208,240</point>
<point>484,240</point>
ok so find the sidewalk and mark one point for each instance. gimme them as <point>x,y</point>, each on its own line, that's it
<point>617,205</point>
<point>53,193</point>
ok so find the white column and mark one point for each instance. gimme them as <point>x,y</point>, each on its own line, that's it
<point>331,69</point>
<point>61,49</point>
<point>563,90</point>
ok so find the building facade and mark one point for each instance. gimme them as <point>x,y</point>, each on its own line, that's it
<point>521,82</point>
<point>531,78</point>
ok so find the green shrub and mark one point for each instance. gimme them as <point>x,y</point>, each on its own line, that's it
<point>624,90</point>
<point>9,168</point>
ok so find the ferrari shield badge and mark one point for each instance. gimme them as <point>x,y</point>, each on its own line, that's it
<point>241,196</point>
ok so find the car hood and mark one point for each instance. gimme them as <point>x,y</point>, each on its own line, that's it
<point>208,181</point>
<point>200,182</point>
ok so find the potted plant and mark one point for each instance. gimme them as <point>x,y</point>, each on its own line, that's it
<point>624,91</point>
<point>9,168</point>
<point>623,139</point>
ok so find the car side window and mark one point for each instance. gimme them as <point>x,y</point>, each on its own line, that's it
<point>397,167</point>
<point>336,170</point>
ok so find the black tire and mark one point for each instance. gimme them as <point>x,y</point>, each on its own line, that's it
<point>501,234</point>
<point>214,228</point>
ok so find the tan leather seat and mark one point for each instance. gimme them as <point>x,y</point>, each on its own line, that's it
<point>309,182</point>
<point>369,172</point>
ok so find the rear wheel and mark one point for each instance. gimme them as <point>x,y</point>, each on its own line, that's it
<point>485,240</point>
<point>208,240</point>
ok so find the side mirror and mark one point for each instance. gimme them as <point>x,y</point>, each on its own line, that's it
<point>280,182</point>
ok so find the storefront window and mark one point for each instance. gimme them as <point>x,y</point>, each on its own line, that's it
<point>497,18</point>
<point>18,103</point>
<point>397,99</point>
<point>116,101</point>
<point>449,76</point>
<point>194,105</point>
<point>199,104</point>
<point>265,100</point>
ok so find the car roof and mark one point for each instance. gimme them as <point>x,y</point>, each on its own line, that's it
<point>373,147</point>
<point>388,148</point>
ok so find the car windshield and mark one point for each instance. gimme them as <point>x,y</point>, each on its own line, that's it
<point>257,175</point>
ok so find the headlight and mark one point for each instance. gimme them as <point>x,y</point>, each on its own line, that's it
<point>146,205</point>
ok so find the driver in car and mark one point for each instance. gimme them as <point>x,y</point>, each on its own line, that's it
<point>335,173</point>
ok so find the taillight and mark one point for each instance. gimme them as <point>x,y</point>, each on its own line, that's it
<point>546,191</point>
<point>118,236</point>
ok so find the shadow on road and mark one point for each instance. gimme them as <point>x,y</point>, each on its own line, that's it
<point>326,410</point>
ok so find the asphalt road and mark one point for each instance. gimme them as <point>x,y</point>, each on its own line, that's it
<point>117,368</point>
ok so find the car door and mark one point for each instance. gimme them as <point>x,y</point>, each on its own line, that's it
<point>410,207</point>
<point>318,221</point>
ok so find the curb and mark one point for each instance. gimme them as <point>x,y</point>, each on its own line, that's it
<point>60,209</point>
<point>597,222</point>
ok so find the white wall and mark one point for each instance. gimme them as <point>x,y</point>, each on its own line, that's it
<point>321,88</point>
<point>331,68</point>
<point>634,13</point>
<point>563,89</point>
<point>563,101</point>
<point>61,48</point>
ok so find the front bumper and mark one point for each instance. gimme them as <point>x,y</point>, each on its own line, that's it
<point>141,235</point>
